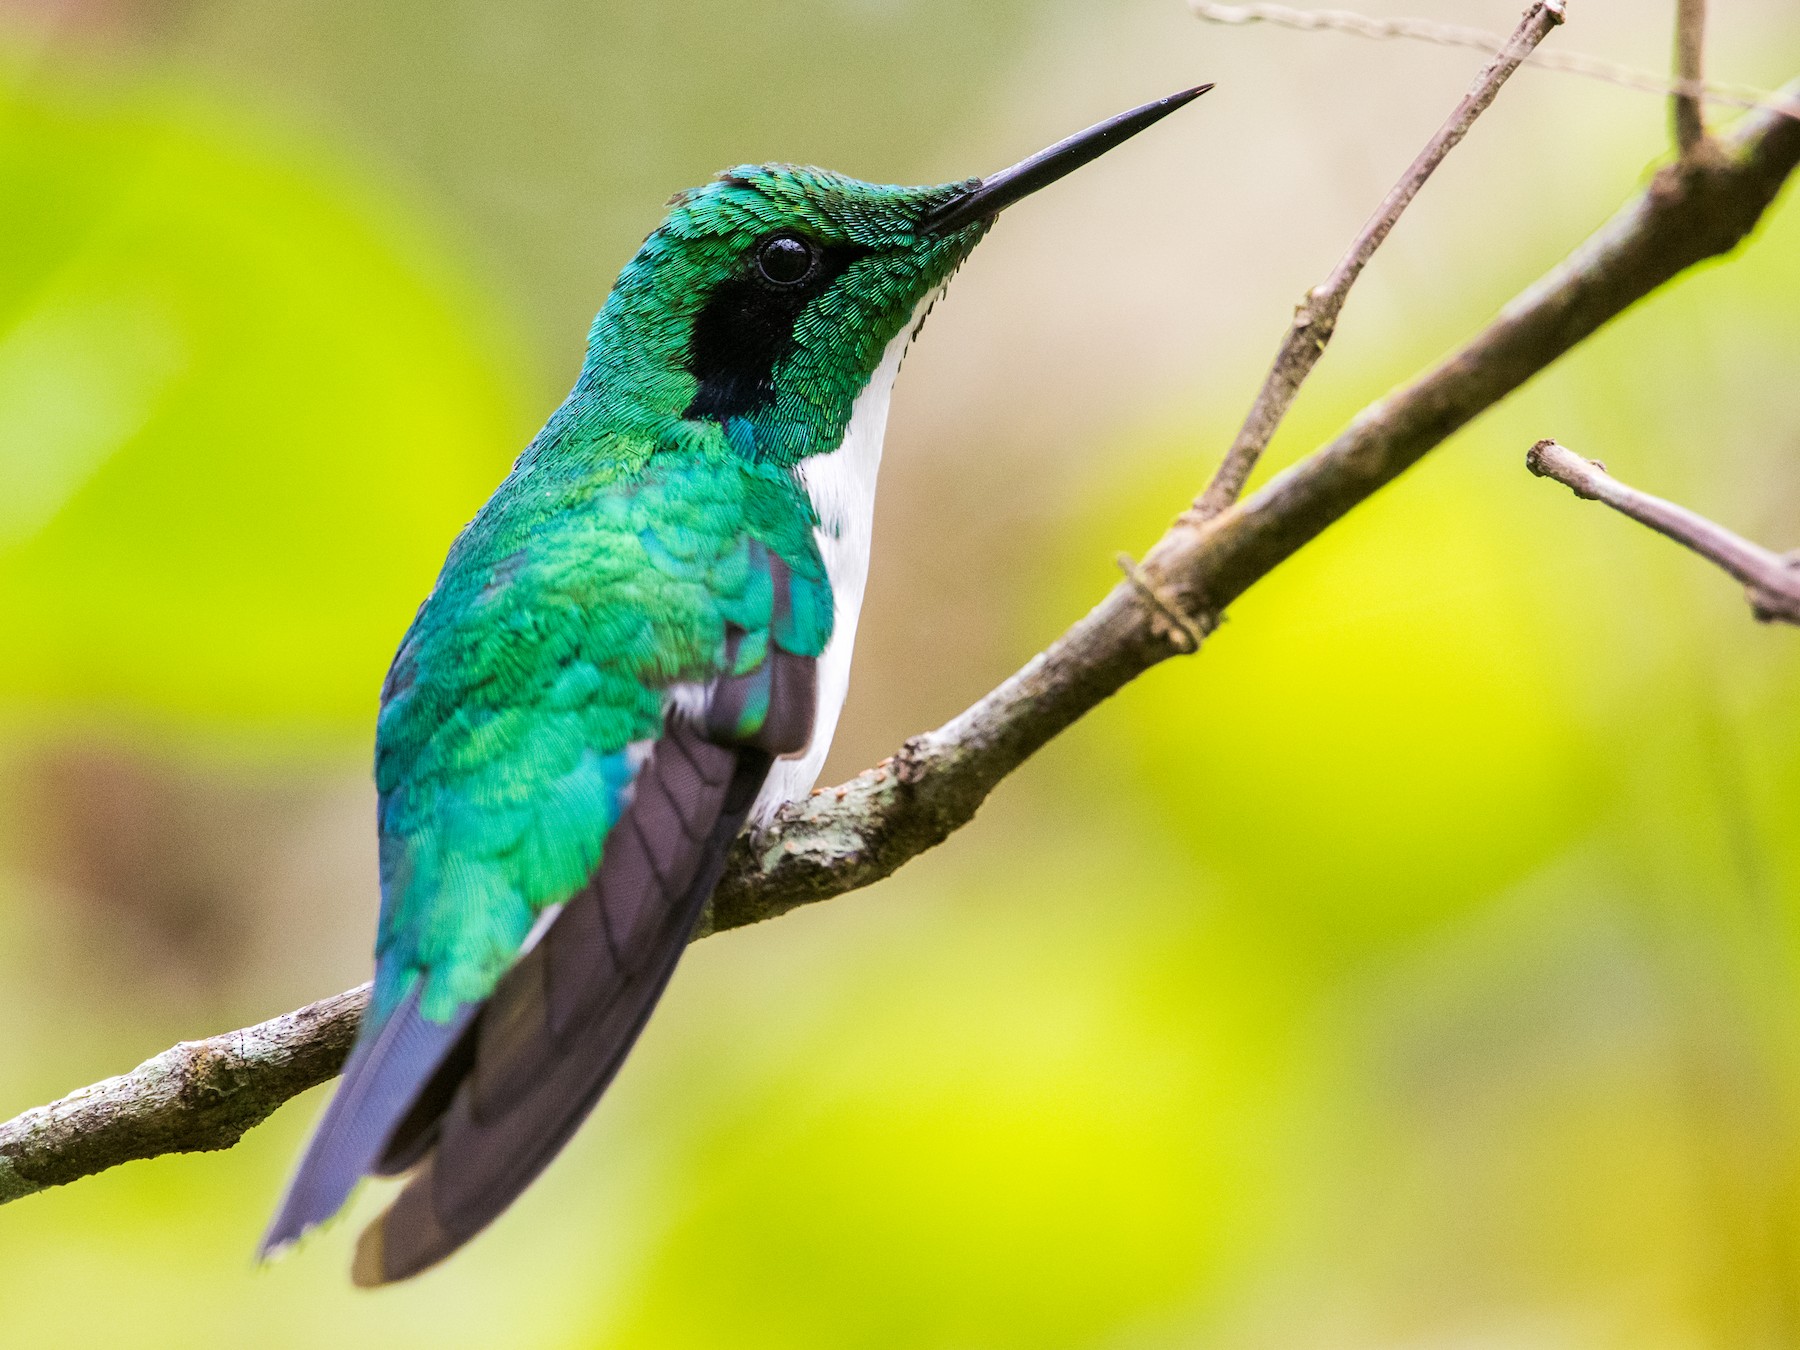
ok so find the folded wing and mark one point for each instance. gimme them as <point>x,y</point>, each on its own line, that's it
<point>535,1059</point>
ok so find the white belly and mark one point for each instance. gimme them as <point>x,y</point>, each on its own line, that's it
<point>842,487</point>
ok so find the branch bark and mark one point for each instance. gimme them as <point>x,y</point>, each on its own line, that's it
<point>193,1097</point>
<point>204,1095</point>
<point>1315,320</point>
<point>1771,581</point>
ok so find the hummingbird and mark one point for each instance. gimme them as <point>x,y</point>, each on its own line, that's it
<point>640,643</point>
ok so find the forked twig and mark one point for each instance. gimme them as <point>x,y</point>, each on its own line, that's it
<point>1316,318</point>
<point>1771,581</point>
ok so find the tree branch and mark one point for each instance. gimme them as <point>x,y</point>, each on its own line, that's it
<point>1316,318</point>
<point>1687,108</point>
<point>1771,581</point>
<point>204,1095</point>
<point>193,1097</point>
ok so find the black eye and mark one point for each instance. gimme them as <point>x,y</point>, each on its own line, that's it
<point>786,259</point>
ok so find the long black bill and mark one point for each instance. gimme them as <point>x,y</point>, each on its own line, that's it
<point>994,194</point>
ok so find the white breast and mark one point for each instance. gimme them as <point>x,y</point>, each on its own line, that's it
<point>842,487</point>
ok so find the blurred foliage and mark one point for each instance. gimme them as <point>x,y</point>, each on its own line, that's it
<point>242,409</point>
<point>493,100</point>
<point>1417,967</point>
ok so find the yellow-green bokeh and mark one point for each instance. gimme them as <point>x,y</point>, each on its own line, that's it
<point>1415,967</point>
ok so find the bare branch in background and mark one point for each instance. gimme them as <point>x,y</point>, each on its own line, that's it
<point>1459,35</point>
<point>850,836</point>
<point>1316,318</point>
<point>1688,112</point>
<point>1771,581</point>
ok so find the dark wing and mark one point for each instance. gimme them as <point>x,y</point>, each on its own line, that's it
<point>380,1081</point>
<point>547,1043</point>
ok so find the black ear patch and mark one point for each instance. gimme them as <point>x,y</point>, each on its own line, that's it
<point>746,328</point>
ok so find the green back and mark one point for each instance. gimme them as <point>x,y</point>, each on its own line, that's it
<point>605,569</point>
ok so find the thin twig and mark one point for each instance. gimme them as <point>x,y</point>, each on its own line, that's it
<point>853,835</point>
<point>1771,581</point>
<point>1686,109</point>
<point>1460,35</point>
<point>1316,318</point>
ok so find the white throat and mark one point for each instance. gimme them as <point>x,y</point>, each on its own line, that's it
<point>841,485</point>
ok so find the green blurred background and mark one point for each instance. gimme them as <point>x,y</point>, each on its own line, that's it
<point>1417,968</point>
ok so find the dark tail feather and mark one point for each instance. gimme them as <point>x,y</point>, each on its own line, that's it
<point>380,1081</point>
<point>563,1018</point>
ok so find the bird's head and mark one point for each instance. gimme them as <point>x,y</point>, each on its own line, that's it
<point>767,299</point>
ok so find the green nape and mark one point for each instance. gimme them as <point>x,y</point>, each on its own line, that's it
<point>640,375</point>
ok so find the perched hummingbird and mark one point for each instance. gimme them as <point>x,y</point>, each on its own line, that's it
<point>640,642</point>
